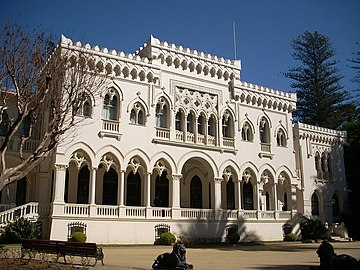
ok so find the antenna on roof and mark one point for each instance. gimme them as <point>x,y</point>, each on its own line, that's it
<point>234,41</point>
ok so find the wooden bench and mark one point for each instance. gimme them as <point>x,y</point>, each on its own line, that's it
<point>31,247</point>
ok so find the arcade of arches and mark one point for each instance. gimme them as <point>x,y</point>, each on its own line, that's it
<point>195,187</point>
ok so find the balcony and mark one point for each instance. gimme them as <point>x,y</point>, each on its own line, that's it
<point>110,128</point>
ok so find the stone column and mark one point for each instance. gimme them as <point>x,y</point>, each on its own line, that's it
<point>148,189</point>
<point>275,197</point>
<point>59,190</point>
<point>59,187</point>
<point>176,211</point>
<point>238,194</point>
<point>92,191</point>
<point>293,199</point>
<point>121,187</point>
<point>92,185</point>
<point>217,196</point>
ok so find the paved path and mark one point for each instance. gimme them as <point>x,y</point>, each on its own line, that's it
<point>270,256</point>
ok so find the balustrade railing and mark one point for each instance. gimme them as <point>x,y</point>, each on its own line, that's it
<point>201,139</point>
<point>107,211</point>
<point>197,213</point>
<point>190,137</point>
<point>163,133</point>
<point>14,145</point>
<point>111,125</point>
<point>133,211</point>
<point>267,214</point>
<point>266,147</point>
<point>161,212</point>
<point>29,210</point>
<point>179,135</point>
<point>211,140</point>
<point>76,209</point>
<point>249,214</point>
<point>228,142</point>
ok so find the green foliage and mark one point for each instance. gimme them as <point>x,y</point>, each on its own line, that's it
<point>352,161</point>
<point>20,228</point>
<point>290,237</point>
<point>234,238</point>
<point>313,230</point>
<point>166,238</point>
<point>78,237</point>
<point>321,100</point>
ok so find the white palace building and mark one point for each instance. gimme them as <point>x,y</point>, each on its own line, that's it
<point>175,141</point>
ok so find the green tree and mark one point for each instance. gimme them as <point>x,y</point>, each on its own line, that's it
<point>321,98</point>
<point>355,64</point>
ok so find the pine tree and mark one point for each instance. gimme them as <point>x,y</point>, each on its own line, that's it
<point>321,98</point>
<point>355,64</point>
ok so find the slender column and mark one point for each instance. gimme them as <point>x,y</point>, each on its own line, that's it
<point>121,190</point>
<point>92,185</point>
<point>148,184</point>
<point>176,190</point>
<point>185,128</point>
<point>238,194</point>
<point>217,196</point>
<point>196,131</point>
<point>275,197</point>
<point>59,187</point>
<point>293,198</point>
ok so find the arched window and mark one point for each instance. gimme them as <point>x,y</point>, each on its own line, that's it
<point>110,107</point>
<point>190,121</point>
<point>335,208</point>
<point>162,113</point>
<point>267,201</point>
<point>317,162</point>
<point>133,189</point>
<point>315,205</point>
<point>21,187</point>
<point>161,190</point>
<point>285,205</point>
<point>137,115</point>
<point>4,124</point>
<point>324,166</point>
<point>230,194</point>
<point>330,169</point>
<point>83,185</point>
<point>195,192</point>
<point>248,196</point>
<point>264,130</point>
<point>228,125</point>
<point>110,187</point>
<point>26,125</point>
<point>178,121</point>
<point>84,109</point>
<point>246,133</point>
<point>212,126</point>
<point>201,124</point>
<point>281,138</point>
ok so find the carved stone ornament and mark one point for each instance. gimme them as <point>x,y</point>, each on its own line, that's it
<point>160,167</point>
<point>246,176</point>
<point>78,158</point>
<point>227,174</point>
<point>281,179</point>
<point>265,178</point>
<point>134,164</point>
<point>107,161</point>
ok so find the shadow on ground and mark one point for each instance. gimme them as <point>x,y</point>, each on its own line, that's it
<point>287,267</point>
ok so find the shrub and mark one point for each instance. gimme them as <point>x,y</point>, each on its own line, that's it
<point>20,228</point>
<point>313,229</point>
<point>234,238</point>
<point>290,237</point>
<point>78,237</point>
<point>166,238</point>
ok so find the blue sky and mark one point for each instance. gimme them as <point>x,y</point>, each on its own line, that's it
<point>264,28</point>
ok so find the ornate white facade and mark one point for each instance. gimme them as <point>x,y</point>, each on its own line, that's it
<point>176,140</point>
